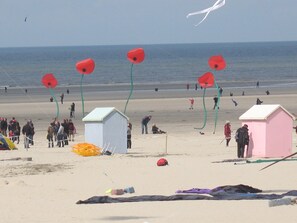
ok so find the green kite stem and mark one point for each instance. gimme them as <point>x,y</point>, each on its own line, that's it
<point>82,96</point>
<point>204,108</point>
<point>57,105</point>
<point>217,107</point>
<point>131,88</point>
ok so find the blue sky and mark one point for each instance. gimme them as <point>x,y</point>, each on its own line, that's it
<point>116,22</point>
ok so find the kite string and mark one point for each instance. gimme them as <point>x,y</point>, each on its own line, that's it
<point>57,105</point>
<point>22,88</point>
<point>217,107</point>
<point>131,88</point>
<point>82,96</point>
<point>204,110</point>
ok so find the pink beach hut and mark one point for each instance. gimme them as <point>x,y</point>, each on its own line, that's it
<point>270,130</point>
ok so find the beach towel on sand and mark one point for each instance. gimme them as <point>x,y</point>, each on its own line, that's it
<point>219,193</point>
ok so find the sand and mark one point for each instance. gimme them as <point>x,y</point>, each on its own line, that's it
<point>47,188</point>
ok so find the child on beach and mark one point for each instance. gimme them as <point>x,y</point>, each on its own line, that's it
<point>191,103</point>
<point>227,132</point>
<point>11,135</point>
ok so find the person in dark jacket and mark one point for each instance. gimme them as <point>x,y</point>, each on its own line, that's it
<point>27,131</point>
<point>156,130</point>
<point>242,139</point>
<point>216,100</point>
<point>144,123</point>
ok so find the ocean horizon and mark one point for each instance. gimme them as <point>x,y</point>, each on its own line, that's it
<point>273,64</point>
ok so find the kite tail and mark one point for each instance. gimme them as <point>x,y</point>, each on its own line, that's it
<point>82,96</point>
<point>57,105</point>
<point>217,108</point>
<point>131,88</point>
<point>204,108</point>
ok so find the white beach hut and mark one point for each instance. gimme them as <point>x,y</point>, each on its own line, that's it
<point>107,128</point>
<point>270,130</point>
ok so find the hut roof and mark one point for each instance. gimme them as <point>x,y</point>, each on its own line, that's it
<point>100,114</point>
<point>262,112</point>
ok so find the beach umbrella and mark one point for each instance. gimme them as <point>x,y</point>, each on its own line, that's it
<point>135,56</point>
<point>84,67</point>
<point>50,82</point>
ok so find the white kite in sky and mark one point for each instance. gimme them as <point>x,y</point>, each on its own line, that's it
<point>217,5</point>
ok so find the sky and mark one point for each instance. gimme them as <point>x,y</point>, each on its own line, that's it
<point>121,22</point>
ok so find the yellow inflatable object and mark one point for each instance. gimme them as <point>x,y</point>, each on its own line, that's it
<point>86,149</point>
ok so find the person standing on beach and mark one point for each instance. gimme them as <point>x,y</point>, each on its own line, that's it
<point>258,102</point>
<point>242,139</point>
<point>221,91</point>
<point>3,126</point>
<point>215,99</point>
<point>60,135</point>
<point>191,103</point>
<point>144,123</point>
<point>26,130</point>
<point>227,132</point>
<point>129,136</point>
<point>72,130</point>
<point>72,110</point>
<point>50,136</point>
<point>62,98</point>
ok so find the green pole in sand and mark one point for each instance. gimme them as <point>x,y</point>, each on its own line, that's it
<point>131,88</point>
<point>82,96</point>
<point>57,105</point>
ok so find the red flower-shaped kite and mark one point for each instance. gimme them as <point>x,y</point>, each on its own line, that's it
<point>206,80</point>
<point>49,81</point>
<point>217,62</point>
<point>136,56</point>
<point>86,66</point>
<point>83,67</point>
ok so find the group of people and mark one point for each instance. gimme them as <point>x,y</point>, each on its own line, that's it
<point>60,132</point>
<point>56,131</point>
<point>241,137</point>
<point>13,130</point>
<point>144,129</point>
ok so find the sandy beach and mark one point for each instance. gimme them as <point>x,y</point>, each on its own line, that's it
<point>47,188</point>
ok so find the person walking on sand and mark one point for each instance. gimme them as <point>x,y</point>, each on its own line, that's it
<point>227,132</point>
<point>191,103</point>
<point>50,136</point>
<point>258,102</point>
<point>144,123</point>
<point>129,136</point>
<point>26,130</point>
<point>62,98</point>
<point>72,130</point>
<point>215,99</point>
<point>242,139</point>
<point>60,135</point>
<point>72,110</point>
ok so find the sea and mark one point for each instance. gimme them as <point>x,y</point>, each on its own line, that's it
<point>273,64</point>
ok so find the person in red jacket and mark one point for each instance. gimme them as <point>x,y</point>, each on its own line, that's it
<point>227,132</point>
